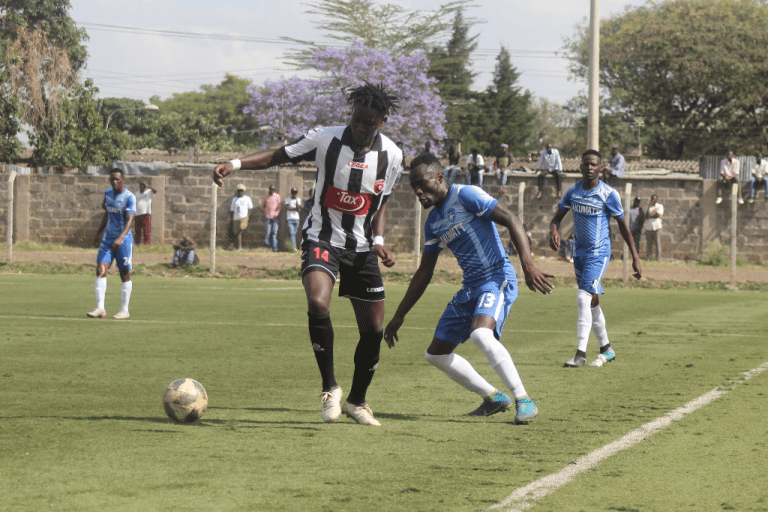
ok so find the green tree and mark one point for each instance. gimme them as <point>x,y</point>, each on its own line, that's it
<point>559,125</point>
<point>451,67</point>
<point>387,27</point>
<point>41,52</point>
<point>78,138</point>
<point>506,108</point>
<point>695,70</point>
<point>223,102</point>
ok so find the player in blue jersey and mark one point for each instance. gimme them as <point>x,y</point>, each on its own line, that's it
<point>463,218</point>
<point>116,244</point>
<point>593,203</point>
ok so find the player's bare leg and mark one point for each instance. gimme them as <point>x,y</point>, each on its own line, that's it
<point>318,287</point>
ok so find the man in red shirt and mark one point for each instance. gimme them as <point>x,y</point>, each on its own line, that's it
<point>270,205</point>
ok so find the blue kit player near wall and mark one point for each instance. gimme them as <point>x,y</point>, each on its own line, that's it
<point>464,218</point>
<point>592,203</point>
<point>116,244</point>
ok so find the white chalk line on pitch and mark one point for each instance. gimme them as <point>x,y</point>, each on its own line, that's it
<point>341,326</point>
<point>525,497</point>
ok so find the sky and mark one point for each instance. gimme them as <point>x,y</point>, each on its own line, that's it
<point>132,53</point>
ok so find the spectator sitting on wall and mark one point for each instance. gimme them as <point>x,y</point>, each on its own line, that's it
<point>729,176</point>
<point>759,172</point>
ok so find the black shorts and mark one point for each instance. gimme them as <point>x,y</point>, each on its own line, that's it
<point>359,271</point>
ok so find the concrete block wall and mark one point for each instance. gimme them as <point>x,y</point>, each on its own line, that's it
<point>67,209</point>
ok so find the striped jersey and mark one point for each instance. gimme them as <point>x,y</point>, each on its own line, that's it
<point>118,207</point>
<point>462,223</point>
<point>349,188</point>
<point>592,211</point>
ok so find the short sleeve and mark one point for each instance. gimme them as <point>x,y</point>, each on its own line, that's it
<point>613,203</point>
<point>476,201</point>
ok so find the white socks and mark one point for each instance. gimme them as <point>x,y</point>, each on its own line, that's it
<point>101,291</point>
<point>584,321</point>
<point>499,359</point>
<point>461,372</point>
<point>598,326</point>
<point>589,317</point>
<point>125,295</point>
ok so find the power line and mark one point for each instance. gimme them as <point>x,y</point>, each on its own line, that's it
<point>547,54</point>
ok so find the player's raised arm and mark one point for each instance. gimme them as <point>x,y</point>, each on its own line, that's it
<point>534,278</point>
<point>258,160</point>
<point>419,283</point>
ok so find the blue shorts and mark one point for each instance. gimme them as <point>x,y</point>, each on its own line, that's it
<point>123,255</point>
<point>493,298</point>
<point>590,271</point>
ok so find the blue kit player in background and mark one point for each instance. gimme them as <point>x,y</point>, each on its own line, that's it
<point>116,244</point>
<point>592,203</point>
<point>463,218</point>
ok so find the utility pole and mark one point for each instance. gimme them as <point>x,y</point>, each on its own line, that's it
<point>593,112</point>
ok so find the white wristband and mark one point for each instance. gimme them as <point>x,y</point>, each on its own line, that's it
<point>235,164</point>
<point>378,240</point>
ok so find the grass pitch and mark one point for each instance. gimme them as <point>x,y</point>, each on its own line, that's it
<point>82,425</point>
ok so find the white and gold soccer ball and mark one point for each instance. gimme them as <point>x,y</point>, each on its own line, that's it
<point>185,400</point>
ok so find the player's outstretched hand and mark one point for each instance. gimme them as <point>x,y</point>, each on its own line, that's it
<point>386,257</point>
<point>554,242</point>
<point>638,272</point>
<point>535,279</point>
<point>390,333</point>
<point>220,172</point>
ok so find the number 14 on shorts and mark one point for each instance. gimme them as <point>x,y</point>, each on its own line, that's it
<point>321,254</point>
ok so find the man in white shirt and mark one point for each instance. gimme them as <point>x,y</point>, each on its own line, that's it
<point>549,162</point>
<point>239,212</point>
<point>729,176</point>
<point>142,221</point>
<point>292,207</point>
<point>475,166</point>
<point>759,172</point>
<point>653,228</point>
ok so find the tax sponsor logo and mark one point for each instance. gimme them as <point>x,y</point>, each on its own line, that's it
<point>345,201</point>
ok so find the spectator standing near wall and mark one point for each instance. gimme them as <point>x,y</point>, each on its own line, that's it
<point>759,171</point>
<point>636,221</point>
<point>143,219</point>
<point>239,212</point>
<point>292,207</point>
<point>454,162</point>
<point>729,175</point>
<point>549,162</point>
<point>270,205</point>
<point>653,228</point>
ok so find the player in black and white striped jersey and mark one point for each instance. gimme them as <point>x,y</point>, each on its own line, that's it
<point>343,234</point>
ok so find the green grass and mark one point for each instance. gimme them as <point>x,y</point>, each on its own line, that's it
<point>82,426</point>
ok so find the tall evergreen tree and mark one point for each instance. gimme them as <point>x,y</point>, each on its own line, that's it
<point>506,108</point>
<point>451,67</point>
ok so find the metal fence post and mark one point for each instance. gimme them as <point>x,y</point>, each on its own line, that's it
<point>9,228</point>
<point>734,221</point>
<point>214,205</point>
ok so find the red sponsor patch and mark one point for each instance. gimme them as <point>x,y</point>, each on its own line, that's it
<point>378,186</point>
<point>347,202</point>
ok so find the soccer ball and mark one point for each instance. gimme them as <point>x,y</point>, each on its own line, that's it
<point>185,400</point>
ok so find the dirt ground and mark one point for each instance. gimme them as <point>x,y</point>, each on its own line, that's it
<point>264,259</point>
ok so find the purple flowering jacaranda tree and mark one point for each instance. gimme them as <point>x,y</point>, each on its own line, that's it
<point>301,105</point>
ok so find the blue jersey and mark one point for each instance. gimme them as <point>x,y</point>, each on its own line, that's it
<point>118,207</point>
<point>592,211</point>
<point>462,222</point>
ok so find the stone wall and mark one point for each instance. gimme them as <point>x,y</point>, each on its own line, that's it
<point>67,209</point>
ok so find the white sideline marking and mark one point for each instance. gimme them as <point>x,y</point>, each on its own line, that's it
<point>525,497</point>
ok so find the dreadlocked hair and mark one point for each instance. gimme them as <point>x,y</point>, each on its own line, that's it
<point>374,97</point>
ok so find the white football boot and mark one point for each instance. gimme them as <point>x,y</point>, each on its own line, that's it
<point>361,414</point>
<point>331,404</point>
<point>97,313</point>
